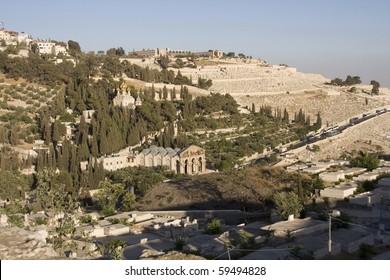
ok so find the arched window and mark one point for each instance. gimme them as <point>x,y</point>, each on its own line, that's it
<point>186,167</point>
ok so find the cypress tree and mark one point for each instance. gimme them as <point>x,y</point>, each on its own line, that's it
<point>318,123</point>
<point>174,93</point>
<point>153,92</point>
<point>56,131</point>
<point>13,136</point>
<point>94,146</point>
<point>307,122</point>
<point>165,93</point>
<point>285,116</point>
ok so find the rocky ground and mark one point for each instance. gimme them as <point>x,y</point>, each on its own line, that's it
<point>20,244</point>
<point>172,255</point>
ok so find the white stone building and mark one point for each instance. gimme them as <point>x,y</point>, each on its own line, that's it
<point>191,160</point>
<point>14,38</point>
<point>57,49</point>
<point>23,38</point>
<point>45,47</point>
<point>124,98</point>
<point>9,37</point>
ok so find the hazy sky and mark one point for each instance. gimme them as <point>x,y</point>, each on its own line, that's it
<point>331,37</point>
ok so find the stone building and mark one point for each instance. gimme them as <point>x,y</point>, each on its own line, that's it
<point>88,115</point>
<point>124,98</point>
<point>138,101</point>
<point>191,160</point>
<point>45,47</point>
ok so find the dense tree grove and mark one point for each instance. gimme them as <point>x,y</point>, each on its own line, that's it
<point>111,128</point>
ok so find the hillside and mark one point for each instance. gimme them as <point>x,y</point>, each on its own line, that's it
<point>335,104</point>
<point>243,78</point>
<point>372,135</point>
<point>234,190</point>
<point>286,87</point>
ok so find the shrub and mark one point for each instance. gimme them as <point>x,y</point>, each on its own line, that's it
<point>16,220</point>
<point>86,219</point>
<point>40,221</point>
<point>179,243</point>
<point>213,227</point>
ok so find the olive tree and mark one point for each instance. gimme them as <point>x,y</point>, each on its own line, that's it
<point>53,197</point>
<point>287,203</point>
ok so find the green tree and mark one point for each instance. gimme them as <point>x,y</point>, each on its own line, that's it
<point>54,198</point>
<point>317,125</point>
<point>74,48</point>
<point>13,136</point>
<point>287,203</point>
<point>113,197</point>
<point>12,185</point>
<point>120,52</point>
<point>375,87</point>
<point>286,117</point>
<point>365,160</point>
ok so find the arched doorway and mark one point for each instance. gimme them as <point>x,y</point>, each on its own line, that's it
<point>178,167</point>
<point>200,164</point>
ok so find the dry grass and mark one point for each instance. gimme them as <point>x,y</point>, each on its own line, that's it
<point>234,190</point>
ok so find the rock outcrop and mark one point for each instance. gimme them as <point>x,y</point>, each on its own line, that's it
<point>21,244</point>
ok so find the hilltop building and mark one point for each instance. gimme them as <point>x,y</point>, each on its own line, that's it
<point>191,160</point>
<point>156,53</point>
<point>13,37</point>
<point>45,47</point>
